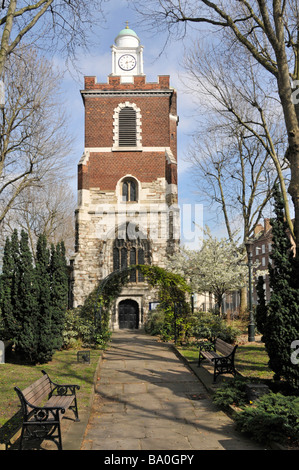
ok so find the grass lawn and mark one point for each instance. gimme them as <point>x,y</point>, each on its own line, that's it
<point>63,368</point>
<point>251,359</point>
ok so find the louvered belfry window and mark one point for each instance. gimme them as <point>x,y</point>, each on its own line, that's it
<point>127,136</point>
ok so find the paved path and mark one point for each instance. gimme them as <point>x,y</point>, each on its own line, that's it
<point>148,399</point>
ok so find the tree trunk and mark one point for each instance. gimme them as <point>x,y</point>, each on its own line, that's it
<point>291,121</point>
<point>293,157</point>
<point>6,33</point>
<point>243,302</point>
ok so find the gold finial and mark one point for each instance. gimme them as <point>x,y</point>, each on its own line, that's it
<point>127,26</point>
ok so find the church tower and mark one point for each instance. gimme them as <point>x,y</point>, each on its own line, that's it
<point>127,181</point>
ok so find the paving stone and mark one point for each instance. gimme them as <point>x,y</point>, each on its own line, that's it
<point>148,399</point>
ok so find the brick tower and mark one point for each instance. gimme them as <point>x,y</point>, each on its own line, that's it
<point>127,181</point>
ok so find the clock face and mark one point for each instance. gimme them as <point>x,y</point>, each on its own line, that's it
<point>127,62</point>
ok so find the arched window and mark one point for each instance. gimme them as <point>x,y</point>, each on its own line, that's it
<point>129,190</point>
<point>129,251</point>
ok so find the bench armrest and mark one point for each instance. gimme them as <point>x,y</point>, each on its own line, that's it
<point>206,346</point>
<point>222,359</point>
<point>38,413</point>
<point>65,389</point>
<point>62,389</point>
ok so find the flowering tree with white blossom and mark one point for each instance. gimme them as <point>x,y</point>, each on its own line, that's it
<point>218,267</point>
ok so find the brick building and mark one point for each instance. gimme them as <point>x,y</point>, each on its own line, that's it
<point>261,253</point>
<point>127,180</point>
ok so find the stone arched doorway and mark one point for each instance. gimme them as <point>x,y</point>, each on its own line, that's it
<point>128,314</point>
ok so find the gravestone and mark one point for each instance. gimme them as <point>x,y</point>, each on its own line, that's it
<point>255,391</point>
<point>2,352</point>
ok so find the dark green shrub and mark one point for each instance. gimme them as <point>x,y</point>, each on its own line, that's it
<point>59,292</point>
<point>281,319</point>
<point>155,321</point>
<point>160,323</point>
<point>210,326</point>
<point>33,298</point>
<point>77,330</point>
<point>231,393</point>
<point>274,417</point>
<point>95,315</point>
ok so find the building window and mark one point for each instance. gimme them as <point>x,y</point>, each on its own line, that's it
<point>128,252</point>
<point>126,127</point>
<point>129,190</point>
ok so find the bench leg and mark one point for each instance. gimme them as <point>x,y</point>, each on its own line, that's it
<point>227,367</point>
<point>59,444</point>
<point>74,407</point>
<point>53,435</point>
<point>214,375</point>
<point>217,370</point>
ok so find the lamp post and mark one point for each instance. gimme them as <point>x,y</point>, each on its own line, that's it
<point>251,326</point>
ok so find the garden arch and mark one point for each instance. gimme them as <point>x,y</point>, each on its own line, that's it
<point>172,288</point>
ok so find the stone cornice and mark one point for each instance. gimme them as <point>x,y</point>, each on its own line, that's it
<point>99,93</point>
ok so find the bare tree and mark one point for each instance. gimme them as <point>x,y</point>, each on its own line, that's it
<point>61,25</point>
<point>47,210</point>
<point>235,177</point>
<point>269,32</point>
<point>239,148</point>
<point>34,137</point>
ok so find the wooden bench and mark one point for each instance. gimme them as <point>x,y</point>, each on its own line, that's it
<point>43,403</point>
<point>224,363</point>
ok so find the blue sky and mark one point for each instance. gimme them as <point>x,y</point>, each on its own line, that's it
<point>98,63</point>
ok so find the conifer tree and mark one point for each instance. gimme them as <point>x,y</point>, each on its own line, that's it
<point>59,292</point>
<point>44,316</point>
<point>7,286</point>
<point>33,300</point>
<point>27,339</point>
<point>282,323</point>
<point>15,300</point>
<point>10,301</point>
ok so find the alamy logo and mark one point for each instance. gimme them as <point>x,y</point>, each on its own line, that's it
<point>295,354</point>
<point>156,222</point>
<point>295,93</point>
<point>2,352</point>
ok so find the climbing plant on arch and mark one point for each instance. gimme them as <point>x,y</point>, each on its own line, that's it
<point>172,294</point>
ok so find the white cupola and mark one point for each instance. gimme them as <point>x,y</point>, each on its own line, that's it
<point>127,55</point>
